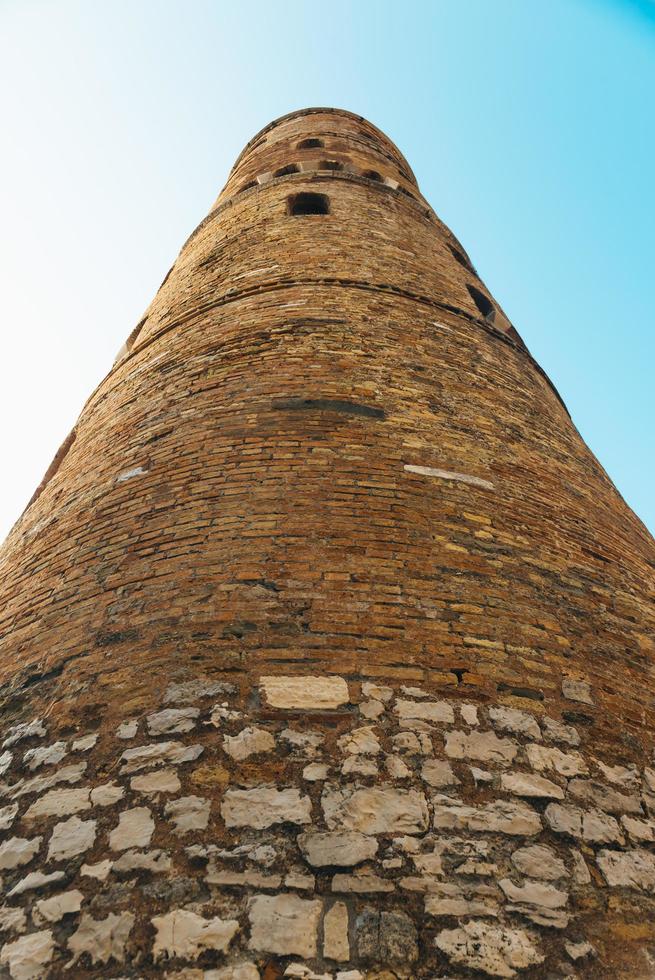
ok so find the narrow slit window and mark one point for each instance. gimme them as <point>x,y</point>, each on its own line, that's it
<point>330,165</point>
<point>291,168</point>
<point>306,203</point>
<point>483,303</point>
<point>372,175</point>
<point>311,144</point>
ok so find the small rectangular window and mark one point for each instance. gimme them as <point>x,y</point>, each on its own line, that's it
<point>306,203</point>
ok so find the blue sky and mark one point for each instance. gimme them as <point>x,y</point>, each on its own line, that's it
<point>528,124</point>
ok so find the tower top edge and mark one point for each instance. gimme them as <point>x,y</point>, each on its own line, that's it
<point>325,110</point>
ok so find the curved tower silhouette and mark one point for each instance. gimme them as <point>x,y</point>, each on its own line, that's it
<point>326,643</point>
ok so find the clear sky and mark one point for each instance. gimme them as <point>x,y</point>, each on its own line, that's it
<point>529,125</point>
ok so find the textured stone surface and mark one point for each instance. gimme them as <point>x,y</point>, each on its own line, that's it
<point>284,924</point>
<point>186,934</point>
<point>264,806</point>
<point>497,952</point>
<point>341,848</point>
<point>317,693</point>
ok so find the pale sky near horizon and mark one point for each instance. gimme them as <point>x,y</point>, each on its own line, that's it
<point>528,125</point>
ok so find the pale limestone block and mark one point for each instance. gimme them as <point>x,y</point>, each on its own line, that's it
<point>413,743</point>
<point>45,755</point>
<point>461,908</point>
<point>534,893</point>
<point>264,806</point>
<point>18,851</point>
<point>39,784</point>
<point>499,816</point>
<point>153,783</point>
<point>103,939</point>
<point>469,713</point>
<point>378,810</point>
<point>134,829</point>
<point>35,880</point>
<point>360,741</point>
<point>59,803</point>
<point>360,766</point>
<point>172,721</point>
<point>438,773</point>
<point>188,813</point>
<point>184,933</point>
<point>249,741</point>
<point>284,924</point>
<point>244,879</point>
<point>481,747</point>
<point>564,819</point>
<point>624,776</point>
<point>236,971</point>
<point>100,871</point>
<point>494,950</point>
<point>578,951</point>
<point>377,691</point>
<point>396,768</point>
<point>55,908</point>
<point>438,712</point>
<point>185,692</point>
<point>361,883</point>
<point>71,837</point>
<point>307,742</point>
<point>85,743</point>
<point>339,848</point>
<point>414,692</point>
<point>628,869</point>
<point>539,861</point>
<point>305,692</point>
<point>517,722</point>
<point>640,830</point>
<point>577,690</point>
<point>107,794</point>
<point>127,729</point>
<point>295,879</point>
<point>12,919</point>
<point>557,731</point>
<point>579,872</point>
<point>542,757</point>
<point>481,775</point>
<point>27,958</point>
<point>5,762</point>
<point>370,709</point>
<point>157,754</point>
<point>157,861</point>
<point>527,784</point>
<point>315,772</point>
<point>600,828</point>
<point>27,729</point>
<point>593,792</point>
<point>8,815</point>
<point>335,933</point>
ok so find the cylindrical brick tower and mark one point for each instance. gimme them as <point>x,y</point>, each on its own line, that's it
<point>327,645</point>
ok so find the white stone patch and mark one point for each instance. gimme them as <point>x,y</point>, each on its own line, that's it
<point>640,830</point>
<point>186,934</point>
<point>565,763</point>
<point>628,869</point>
<point>469,713</point>
<point>480,746</point>
<point>157,861</point>
<point>59,803</point>
<point>341,848</point>
<point>534,893</point>
<point>221,713</point>
<point>73,836</point>
<point>85,743</point>
<point>172,721</point>
<point>580,872</point>
<point>396,768</point>
<point>185,692</point>
<point>103,939</point>
<point>377,691</point>
<point>481,775</point>
<point>45,755</point>
<point>284,924</point>
<point>335,933</point>
<point>18,851</point>
<point>134,829</point>
<point>371,709</point>
<point>539,861</point>
<point>499,816</point>
<point>249,741</point>
<point>557,731</point>
<point>362,882</point>
<point>439,712</point>
<point>306,692</point>
<point>512,720</point>
<point>577,951</point>
<point>598,794</point>
<point>438,773</point>
<point>34,880</point>
<point>127,729</point>
<point>153,783</point>
<point>12,920</point>
<point>357,765</point>
<point>55,908</point>
<point>264,806</point>
<point>130,474</point>
<point>577,690</point>
<point>624,776</point>
<point>8,815</point>
<point>158,754</point>
<point>529,785</point>
<point>362,741</point>
<point>475,481</point>
<point>315,772</point>
<point>99,871</point>
<point>27,958</point>
<point>490,948</point>
<point>414,743</point>
<point>39,784</point>
<point>107,794</point>
<point>28,729</point>
<point>188,813</point>
<point>307,742</point>
<point>5,761</point>
<point>378,810</point>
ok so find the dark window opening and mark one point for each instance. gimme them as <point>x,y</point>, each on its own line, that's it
<point>246,187</point>
<point>483,303</point>
<point>292,168</point>
<point>460,257</point>
<point>330,165</point>
<point>309,204</point>
<point>372,175</point>
<point>311,144</point>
